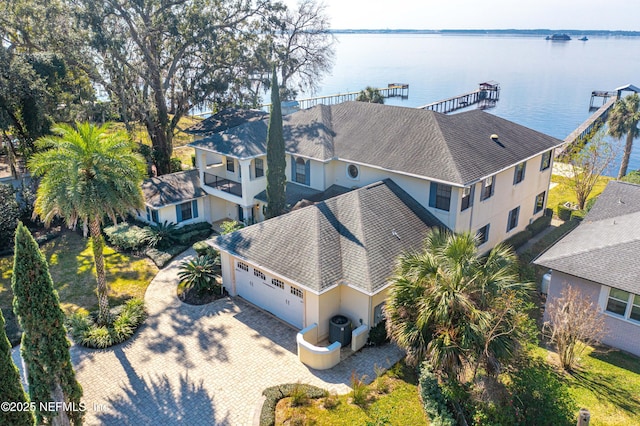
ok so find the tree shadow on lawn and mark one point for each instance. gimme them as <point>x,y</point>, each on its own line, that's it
<point>173,336</point>
<point>605,387</point>
<point>618,359</point>
<point>158,401</point>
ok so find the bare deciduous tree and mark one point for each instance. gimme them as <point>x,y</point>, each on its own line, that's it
<point>574,322</point>
<point>588,163</point>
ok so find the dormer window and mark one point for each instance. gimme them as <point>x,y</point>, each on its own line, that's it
<point>487,188</point>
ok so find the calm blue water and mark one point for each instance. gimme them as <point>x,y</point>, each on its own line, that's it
<point>544,85</point>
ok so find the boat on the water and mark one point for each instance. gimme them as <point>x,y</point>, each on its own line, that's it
<point>583,38</point>
<point>559,37</point>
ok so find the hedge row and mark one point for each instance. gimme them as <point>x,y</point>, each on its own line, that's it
<point>433,401</point>
<point>126,236</point>
<point>517,240</point>
<point>276,393</point>
<point>539,225</point>
<point>564,213</point>
<point>548,240</point>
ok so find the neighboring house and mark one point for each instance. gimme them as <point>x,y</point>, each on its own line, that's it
<point>473,171</point>
<point>176,197</point>
<point>600,257</point>
<point>334,257</point>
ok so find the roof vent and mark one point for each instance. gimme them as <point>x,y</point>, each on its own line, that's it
<point>395,234</point>
<point>494,137</point>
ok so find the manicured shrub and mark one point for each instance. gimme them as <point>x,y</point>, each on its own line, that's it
<point>126,236</point>
<point>517,240</point>
<point>87,333</point>
<point>230,226</point>
<point>578,214</point>
<point>175,165</point>
<point>590,202</point>
<point>189,237</point>
<point>539,225</point>
<point>204,249</point>
<point>433,400</point>
<point>564,213</point>
<point>276,393</point>
<point>162,257</point>
<point>378,334</point>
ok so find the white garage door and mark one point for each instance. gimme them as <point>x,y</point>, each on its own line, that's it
<point>270,294</point>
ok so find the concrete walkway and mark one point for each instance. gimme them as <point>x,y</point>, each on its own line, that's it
<point>201,365</point>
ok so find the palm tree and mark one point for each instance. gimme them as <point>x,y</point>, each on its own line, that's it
<point>449,304</point>
<point>371,95</point>
<point>88,173</point>
<point>623,120</point>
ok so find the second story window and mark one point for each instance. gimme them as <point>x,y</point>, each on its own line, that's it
<point>512,222</point>
<point>300,171</point>
<point>518,175</point>
<point>440,196</point>
<point>231,165</point>
<point>259,166</point>
<point>467,197</point>
<point>546,160</point>
<point>487,188</point>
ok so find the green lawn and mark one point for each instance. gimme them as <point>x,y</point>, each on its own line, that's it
<point>608,384</point>
<point>563,192</point>
<point>400,405</point>
<point>71,266</point>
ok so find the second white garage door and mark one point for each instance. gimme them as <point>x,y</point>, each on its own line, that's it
<point>273,295</point>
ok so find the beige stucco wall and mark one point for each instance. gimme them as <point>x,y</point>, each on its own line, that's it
<point>622,334</point>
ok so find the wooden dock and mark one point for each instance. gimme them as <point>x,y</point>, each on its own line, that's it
<point>594,122</point>
<point>392,90</point>
<point>486,96</point>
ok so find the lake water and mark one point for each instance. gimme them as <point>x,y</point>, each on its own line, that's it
<point>544,85</point>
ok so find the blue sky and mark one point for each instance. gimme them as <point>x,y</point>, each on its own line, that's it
<point>485,14</point>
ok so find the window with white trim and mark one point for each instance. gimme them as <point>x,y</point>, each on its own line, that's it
<point>487,188</point>
<point>276,282</point>
<point>467,197</point>
<point>258,273</point>
<point>546,161</point>
<point>243,266</point>
<point>623,303</point>
<point>296,292</point>
<point>231,165</point>
<point>259,167</point>
<point>301,170</point>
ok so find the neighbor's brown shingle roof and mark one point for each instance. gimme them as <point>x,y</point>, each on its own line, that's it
<point>354,237</point>
<point>452,148</point>
<point>172,188</point>
<point>604,247</point>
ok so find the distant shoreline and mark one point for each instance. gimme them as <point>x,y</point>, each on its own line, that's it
<point>536,32</point>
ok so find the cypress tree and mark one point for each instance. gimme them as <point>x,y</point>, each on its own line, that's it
<point>10,387</point>
<point>276,160</point>
<point>45,347</point>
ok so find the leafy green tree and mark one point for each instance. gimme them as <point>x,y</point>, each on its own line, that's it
<point>8,215</point>
<point>10,386</point>
<point>623,120</point>
<point>449,305</point>
<point>632,177</point>
<point>276,159</point>
<point>88,173</point>
<point>44,347</point>
<point>371,95</point>
<point>158,60</point>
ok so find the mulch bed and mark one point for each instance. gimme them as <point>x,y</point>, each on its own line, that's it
<point>194,297</point>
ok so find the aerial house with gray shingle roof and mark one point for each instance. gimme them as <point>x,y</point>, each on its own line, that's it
<point>600,258</point>
<point>473,170</point>
<point>332,257</point>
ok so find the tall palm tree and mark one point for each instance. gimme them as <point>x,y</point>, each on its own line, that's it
<point>623,120</point>
<point>371,95</point>
<point>455,307</point>
<point>88,173</point>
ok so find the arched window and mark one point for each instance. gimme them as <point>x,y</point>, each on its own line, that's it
<point>301,171</point>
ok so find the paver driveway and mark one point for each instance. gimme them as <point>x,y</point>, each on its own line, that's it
<point>201,365</point>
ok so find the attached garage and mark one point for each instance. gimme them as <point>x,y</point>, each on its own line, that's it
<point>271,294</point>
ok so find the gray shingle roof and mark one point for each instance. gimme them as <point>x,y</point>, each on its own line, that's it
<point>604,247</point>
<point>453,148</point>
<point>172,188</point>
<point>225,119</point>
<point>293,193</point>
<point>353,237</point>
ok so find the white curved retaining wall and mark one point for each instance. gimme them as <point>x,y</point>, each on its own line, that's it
<point>359,337</point>
<point>319,358</point>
